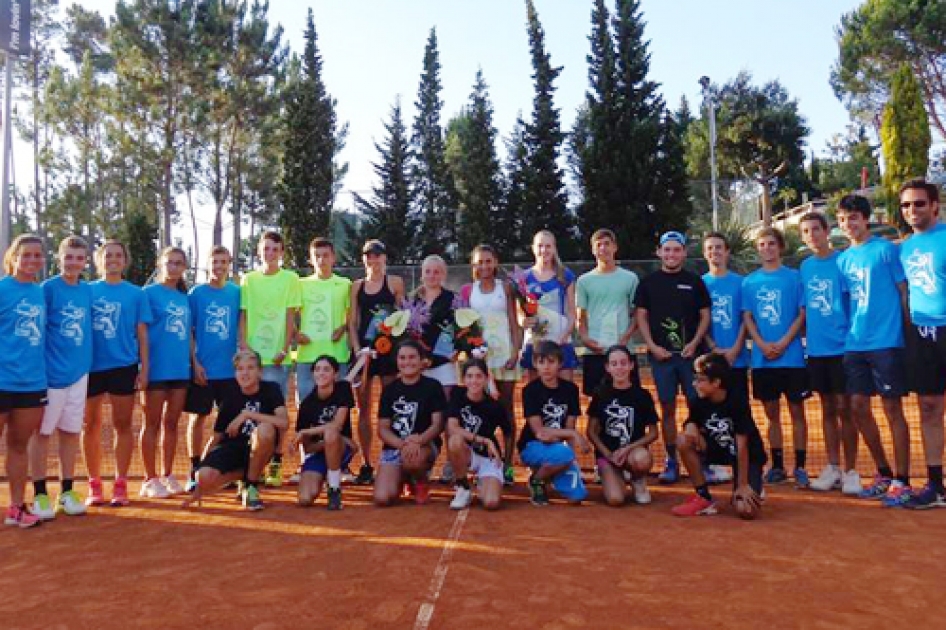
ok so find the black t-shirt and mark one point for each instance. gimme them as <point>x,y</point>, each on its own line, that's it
<point>623,415</point>
<point>480,418</point>
<point>315,412</point>
<point>554,406</point>
<point>439,330</point>
<point>266,400</point>
<point>411,407</point>
<point>673,302</point>
<point>720,423</point>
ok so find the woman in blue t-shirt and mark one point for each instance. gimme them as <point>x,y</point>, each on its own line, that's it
<point>169,338</point>
<point>23,367</point>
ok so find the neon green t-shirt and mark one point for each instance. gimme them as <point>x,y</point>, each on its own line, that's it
<point>265,300</point>
<point>325,304</point>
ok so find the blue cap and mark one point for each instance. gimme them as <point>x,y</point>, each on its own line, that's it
<point>673,236</point>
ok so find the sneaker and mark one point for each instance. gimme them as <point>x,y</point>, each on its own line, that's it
<point>898,495</point>
<point>537,493</point>
<point>876,490</point>
<point>238,496</point>
<point>671,473</point>
<point>776,475</point>
<point>509,476</point>
<point>20,517</point>
<point>365,475</point>
<point>43,507</point>
<point>851,483</point>
<point>251,500</point>
<point>172,484</point>
<point>407,489</point>
<point>151,489</point>
<point>70,503</point>
<point>695,506</point>
<point>446,474</point>
<point>829,479</point>
<point>96,496</point>
<point>295,478</point>
<point>273,475</point>
<point>801,478</point>
<point>347,475</point>
<point>461,498</point>
<point>926,499</point>
<point>334,499</point>
<point>120,493</point>
<point>641,493</point>
<point>191,486</point>
<point>421,492</point>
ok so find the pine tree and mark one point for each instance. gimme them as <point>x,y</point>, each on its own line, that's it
<point>387,215</point>
<point>434,195</point>
<point>545,201</point>
<point>905,137</point>
<point>507,236</point>
<point>140,235</point>
<point>311,173</point>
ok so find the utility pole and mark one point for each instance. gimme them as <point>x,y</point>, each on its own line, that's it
<point>709,103</point>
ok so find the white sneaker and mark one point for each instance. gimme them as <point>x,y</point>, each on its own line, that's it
<point>461,500</point>
<point>43,508</point>
<point>153,489</point>
<point>172,484</point>
<point>721,474</point>
<point>829,479</point>
<point>641,493</point>
<point>71,503</point>
<point>851,483</point>
<point>295,479</point>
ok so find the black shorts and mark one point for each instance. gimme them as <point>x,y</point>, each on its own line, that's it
<point>739,384</point>
<point>926,351</point>
<point>22,400</point>
<point>118,381</point>
<point>161,386</point>
<point>228,457</point>
<point>593,372</point>
<point>773,383</point>
<point>201,399</point>
<point>876,372</point>
<point>383,365</point>
<point>826,375</point>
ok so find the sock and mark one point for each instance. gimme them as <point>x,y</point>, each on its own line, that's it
<point>704,492</point>
<point>904,479</point>
<point>778,458</point>
<point>250,484</point>
<point>463,483</point>
<point>39,487</point>
<point>334,479</point>
<point>885,471</point>
<point>935,473</point>
<point>672,452</point>
<point>800,455</point>
<point>66,485</point>
<point>277,458</point>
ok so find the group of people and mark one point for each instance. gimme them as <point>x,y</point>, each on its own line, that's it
<point>838,326</point>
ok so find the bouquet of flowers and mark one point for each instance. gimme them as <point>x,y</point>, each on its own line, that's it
<point>405,323</point>
<point>528,300</point>
<point>468,336</point>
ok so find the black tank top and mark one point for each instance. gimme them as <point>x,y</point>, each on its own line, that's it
<point>373,308</point>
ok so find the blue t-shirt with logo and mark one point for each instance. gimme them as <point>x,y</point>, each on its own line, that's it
<point>22,329</point>
<point>169,334</point>
<point>68,331</point>
<point>216,315</point>
<point>775,298</point>
<point>826,302</point>
<point>117,309</point>
<point>923,256</point>
<point>726,295</point>
<point>871,273</point>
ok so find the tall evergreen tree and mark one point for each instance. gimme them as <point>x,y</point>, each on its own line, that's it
<point>387,215</point>
<point>434,195</point>
<point>140,234</point>
<point>545,201</point>
<point>311,172</point>
<point>475,169</point>
<point>507,232</point>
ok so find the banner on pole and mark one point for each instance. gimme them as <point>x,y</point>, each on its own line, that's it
<point>15,26</point>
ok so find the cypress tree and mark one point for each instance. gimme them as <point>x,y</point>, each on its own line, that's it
<point>508,237</point>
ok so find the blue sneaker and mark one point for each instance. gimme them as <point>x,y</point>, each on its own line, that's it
<point>671,473</point>
<point>926,499</point>
<point>801,478</point>
<point>775,476</point>
<point>876,490</point>
<point>898,496</point>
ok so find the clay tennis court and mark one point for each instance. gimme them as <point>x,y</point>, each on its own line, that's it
<point>813,560</point>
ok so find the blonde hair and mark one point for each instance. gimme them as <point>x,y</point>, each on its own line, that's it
<point>72,242</point>
<point>103,249</point>
<point>556,261</point>
<point>433,259</point>
<point>248,354</point>
<point>9,257</point>
<point>163,256</point>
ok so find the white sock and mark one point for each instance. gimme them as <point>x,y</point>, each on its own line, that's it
<point>334,479</point>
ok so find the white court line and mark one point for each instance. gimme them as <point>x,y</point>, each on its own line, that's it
<point>426,612</point>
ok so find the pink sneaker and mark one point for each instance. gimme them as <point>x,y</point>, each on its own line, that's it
<point>120,493</point>
<point>96,496</point>
<point>695,506</point>
<point>20,517</point>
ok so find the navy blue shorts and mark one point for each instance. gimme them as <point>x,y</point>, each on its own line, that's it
<point>879,372</point>
<point>671,376</point>
<point>315,462</point>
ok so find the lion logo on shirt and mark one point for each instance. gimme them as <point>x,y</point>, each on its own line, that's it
<point>105,317</point>
<point>722,310</point>
<point>71,326</point>
<point>619,422</point>
<point>175,320</point>
<point>327,415</point>
<point>218,318</point>
<point>820,295</point>
<point>770,305</point>
<point>249,426</point>
<point>553,416</point>
<point>27,325</point>
<point>919,268</point>
<point>857,278</point>
<point>721,431</point>
<point>405,416</point>
<point>471,421</point>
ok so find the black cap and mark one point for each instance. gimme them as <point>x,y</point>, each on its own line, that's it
<point>374,246</point>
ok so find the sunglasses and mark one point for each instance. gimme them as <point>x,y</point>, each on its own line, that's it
<point>915,204</point>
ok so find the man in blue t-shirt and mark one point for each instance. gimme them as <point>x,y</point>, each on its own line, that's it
<point>873,350</point>
<point>924,261</point>
<point>773,309</point>
<point>728,331</point>
<point>826,330</point>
